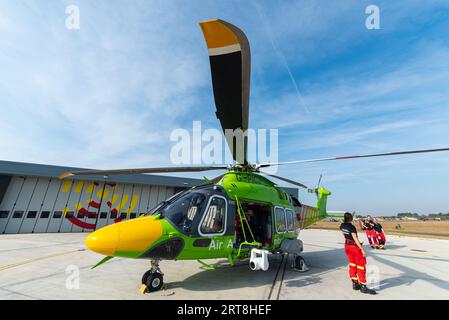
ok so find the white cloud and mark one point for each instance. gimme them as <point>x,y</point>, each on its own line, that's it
<point>92,97</point>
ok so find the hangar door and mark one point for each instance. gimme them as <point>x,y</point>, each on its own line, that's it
<point>35,204</point>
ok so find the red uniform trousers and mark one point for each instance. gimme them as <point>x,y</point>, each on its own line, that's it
<point>381,237</point>
<point>357,263</point>
<point>372,238</point>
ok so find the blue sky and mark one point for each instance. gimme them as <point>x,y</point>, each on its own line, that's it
<point>108,95</point>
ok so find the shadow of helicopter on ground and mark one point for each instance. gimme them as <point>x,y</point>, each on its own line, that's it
<point>241,276</point>
<point>226,277</point>
<point>319,263</point>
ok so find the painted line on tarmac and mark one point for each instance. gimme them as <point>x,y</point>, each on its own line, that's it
<point>278,279</point>
<point>9,266</point>
<point>282,278</point>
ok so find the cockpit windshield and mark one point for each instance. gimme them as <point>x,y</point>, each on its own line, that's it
<point>158,207</point>
<point>182,210</point>
<point>185,210</point>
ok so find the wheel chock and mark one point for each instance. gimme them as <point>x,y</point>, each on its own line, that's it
<point>143,288</point>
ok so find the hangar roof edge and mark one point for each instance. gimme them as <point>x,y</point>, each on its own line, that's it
<point>53,171</point>
<point>14,168</point>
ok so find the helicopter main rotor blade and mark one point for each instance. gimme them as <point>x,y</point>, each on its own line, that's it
<point>286,180</point>
<point>230,63</point>
<point>141,170</point>
<point>265,165</point>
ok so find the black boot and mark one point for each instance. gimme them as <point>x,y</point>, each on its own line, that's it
<point>355,285</point>
<point>364,289</point>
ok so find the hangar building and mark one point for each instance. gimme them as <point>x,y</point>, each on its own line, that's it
<point>33,199</point>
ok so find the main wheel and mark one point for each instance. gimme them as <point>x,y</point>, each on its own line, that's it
<point>154,281</point>
<point>300,263</point>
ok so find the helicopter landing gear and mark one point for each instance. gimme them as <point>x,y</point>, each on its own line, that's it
<point>299,264</point>
<point>153,279</point>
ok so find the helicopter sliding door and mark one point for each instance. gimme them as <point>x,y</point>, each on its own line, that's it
<point>258,216</point>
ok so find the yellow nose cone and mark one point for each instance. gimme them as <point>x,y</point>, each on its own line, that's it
<point>138,234</point>
<point>126,238</point>
<point>104,240</point>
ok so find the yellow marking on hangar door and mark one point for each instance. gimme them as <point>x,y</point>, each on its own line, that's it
<point>66,186</point>
<point>79,186</point>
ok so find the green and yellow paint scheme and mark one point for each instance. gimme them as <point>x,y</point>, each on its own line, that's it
<point>156,236</point>
<point>219,219</point>
<point>229,215</point>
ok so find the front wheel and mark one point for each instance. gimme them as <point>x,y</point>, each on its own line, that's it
<point>155,282</point>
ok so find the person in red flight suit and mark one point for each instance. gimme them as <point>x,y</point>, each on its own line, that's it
<point>368,226</point>
<point>356,255</point>
<point>380,235</point>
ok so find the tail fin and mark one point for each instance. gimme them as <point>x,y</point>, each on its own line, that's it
<point>311,215</point>
<point>322,195</point>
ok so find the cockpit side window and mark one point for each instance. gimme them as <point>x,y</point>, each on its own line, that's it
<point>214,220</point>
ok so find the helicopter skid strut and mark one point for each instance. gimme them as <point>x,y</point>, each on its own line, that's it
<point>153,279</point>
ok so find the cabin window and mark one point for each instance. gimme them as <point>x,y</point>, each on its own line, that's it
<point>289,217</point>
<point>45,214</point>
<point>17,214</point>
<point>32,214</point>
<point>57,215</point>
<point>103,215</point>
<point>214,219</point>
<point>280,219</point>
<point>4,214</point>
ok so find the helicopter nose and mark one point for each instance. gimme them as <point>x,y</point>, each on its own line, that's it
<point>104,240</point>
<point>137,235</point>
<point>127,238</point>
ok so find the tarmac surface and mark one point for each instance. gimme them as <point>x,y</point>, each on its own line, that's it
<point>57,266</point>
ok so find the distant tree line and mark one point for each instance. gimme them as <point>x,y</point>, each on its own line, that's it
<point>442,216</point>
<point>418,216</point>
